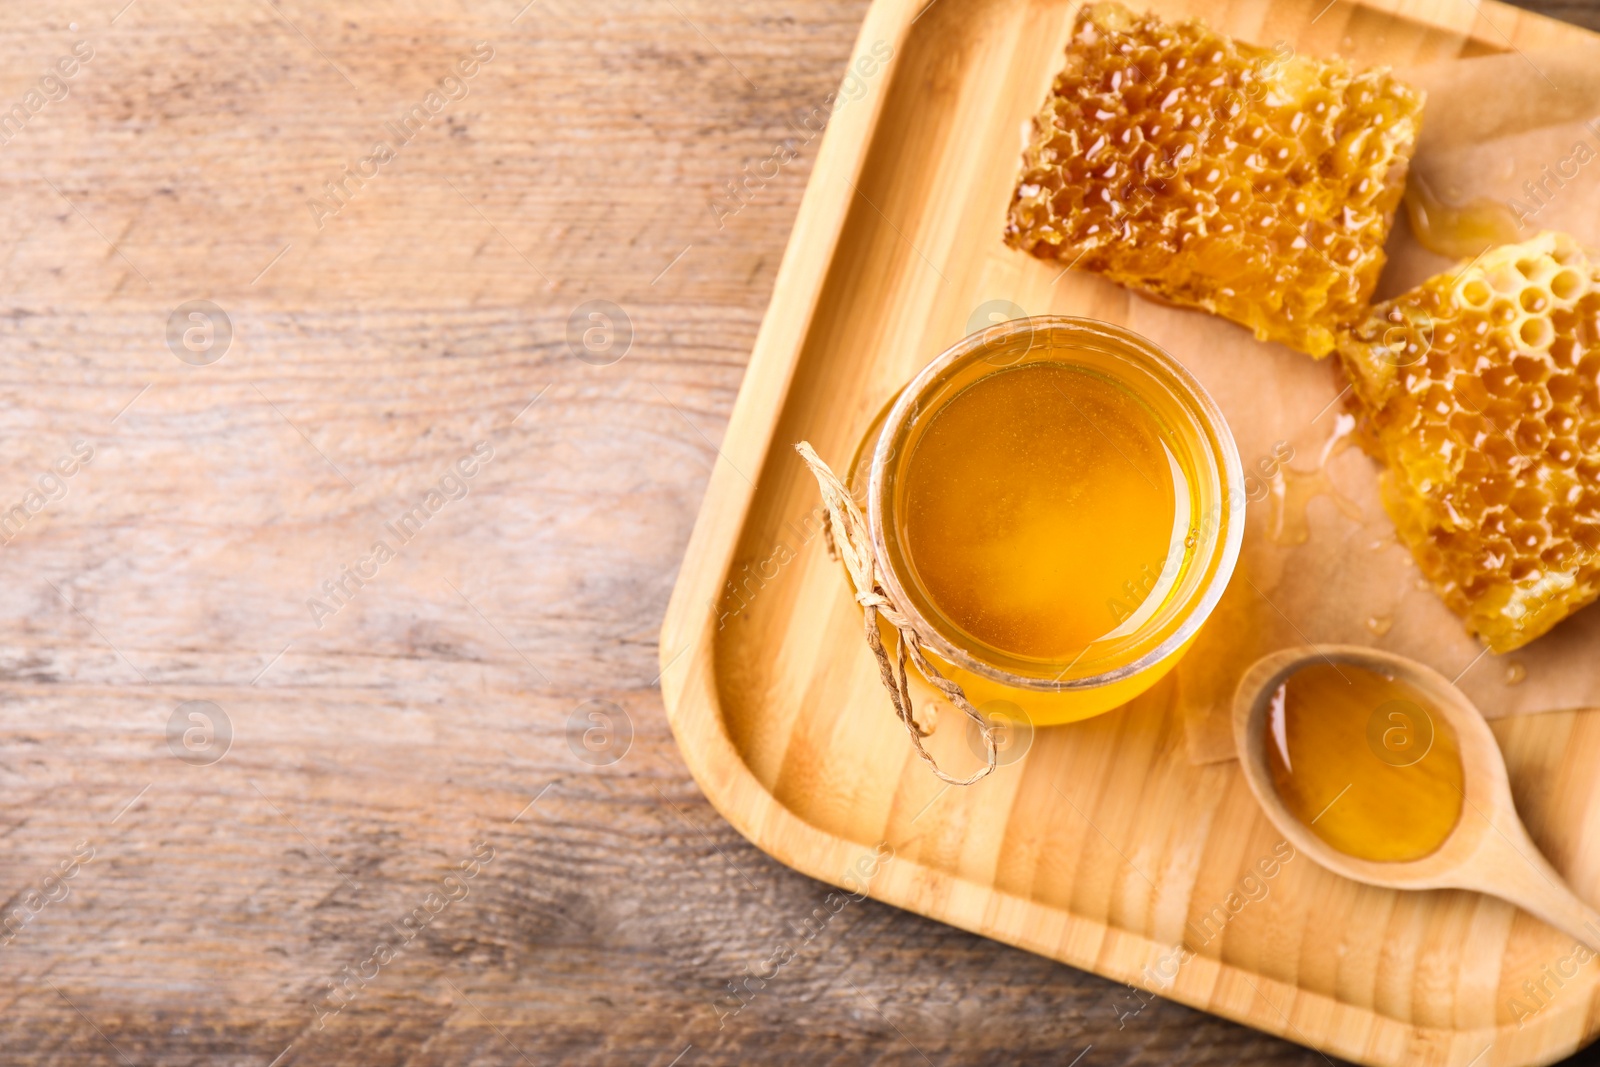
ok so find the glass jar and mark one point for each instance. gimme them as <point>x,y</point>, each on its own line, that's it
<point>1135,650</point>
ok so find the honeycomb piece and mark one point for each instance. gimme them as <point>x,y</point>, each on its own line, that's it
<point>1253,183</point>
<point>1477,389</point>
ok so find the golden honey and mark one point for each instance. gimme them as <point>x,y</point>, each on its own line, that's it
<point>1363,761</point>
<point>1032,500</point>
<point>1460,231</point>
<point>1056,507</point>
<point>1258,184</point>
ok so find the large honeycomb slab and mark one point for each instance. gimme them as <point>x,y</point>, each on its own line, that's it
<point>1250,182</point>
<point>1478,391</point>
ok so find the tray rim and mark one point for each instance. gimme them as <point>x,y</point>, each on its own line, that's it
<point>686,652</point>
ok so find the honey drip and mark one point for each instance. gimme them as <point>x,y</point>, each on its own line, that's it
<point>1382,622</point>
<point>1458,231</point>
<point>1362,761</point>
<point>1291,491</point>
<point>1037,502</point>
<point>1515,673</point>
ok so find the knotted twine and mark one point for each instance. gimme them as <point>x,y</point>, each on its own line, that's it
<point>845,531</point>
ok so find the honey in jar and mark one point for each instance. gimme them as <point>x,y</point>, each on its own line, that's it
<point>1038,503</point>
<point>1363,761</point>
<point>1056,507</point>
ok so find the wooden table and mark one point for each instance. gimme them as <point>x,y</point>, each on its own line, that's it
<point>332,733</point>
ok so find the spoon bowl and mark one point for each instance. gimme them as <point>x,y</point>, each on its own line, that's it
<point>1489,850</point>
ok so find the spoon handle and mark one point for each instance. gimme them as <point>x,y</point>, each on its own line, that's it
<point>1521,875</point>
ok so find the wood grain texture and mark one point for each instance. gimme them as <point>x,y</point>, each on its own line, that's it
<point>372,753</point>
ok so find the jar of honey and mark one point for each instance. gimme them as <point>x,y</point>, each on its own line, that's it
<point>1056,505</point>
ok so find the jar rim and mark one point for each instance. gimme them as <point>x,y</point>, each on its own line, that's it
<point>1216,435</point>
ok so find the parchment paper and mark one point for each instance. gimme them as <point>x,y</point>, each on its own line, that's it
<point>1491,124</point>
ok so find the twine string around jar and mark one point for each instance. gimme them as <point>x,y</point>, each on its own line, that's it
<point>845,531</point>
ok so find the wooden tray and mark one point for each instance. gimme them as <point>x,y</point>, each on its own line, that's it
<point>1104,848</point>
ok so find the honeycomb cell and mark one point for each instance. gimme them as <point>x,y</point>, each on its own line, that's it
<point>1271,206</point>
<point>1528,503</point>
<point>1491,442</point>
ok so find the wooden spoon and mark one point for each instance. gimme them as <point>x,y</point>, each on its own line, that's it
<point>1489,850</point>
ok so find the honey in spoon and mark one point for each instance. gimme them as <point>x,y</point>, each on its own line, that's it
<point>1362,760</point>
